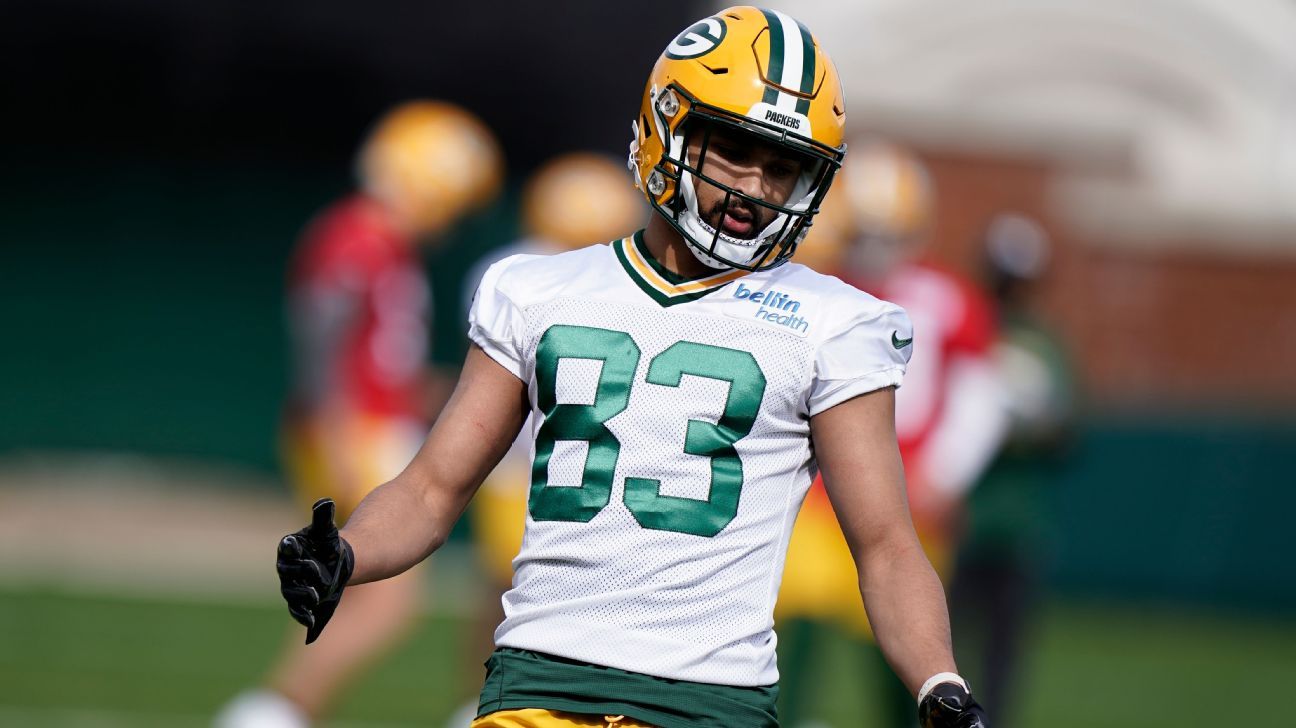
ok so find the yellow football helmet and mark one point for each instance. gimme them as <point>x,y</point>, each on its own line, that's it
<point>580,199</point>
<point>883,202</point>
<point>755,71</point>
<point>430,162</point>
<point>824,248</point>
<point>887,189</point>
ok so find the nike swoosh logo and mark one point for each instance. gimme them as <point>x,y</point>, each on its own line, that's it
<point>898,342</point>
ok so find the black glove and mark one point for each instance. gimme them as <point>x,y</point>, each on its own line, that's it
<point>949,705</point>
<point>314,565</point>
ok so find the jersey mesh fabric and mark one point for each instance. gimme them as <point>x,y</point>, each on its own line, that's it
<point>611,591</point>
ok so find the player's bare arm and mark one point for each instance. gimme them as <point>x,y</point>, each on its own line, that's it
<point>403,521</point>
<point>855,443</point>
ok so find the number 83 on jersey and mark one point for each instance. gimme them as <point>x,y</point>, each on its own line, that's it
<point>588,422</point>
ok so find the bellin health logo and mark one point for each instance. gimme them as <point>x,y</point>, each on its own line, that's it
<point>776,307</point>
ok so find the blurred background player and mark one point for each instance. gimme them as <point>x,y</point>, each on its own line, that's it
<point>572,201</point>
<point>358,310</point>
<point>949,417</point>
<point>996,582</point>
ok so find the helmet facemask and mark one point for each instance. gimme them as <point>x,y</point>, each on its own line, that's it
<point>776,240</point>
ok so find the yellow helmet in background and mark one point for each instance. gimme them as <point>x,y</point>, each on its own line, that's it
<point>888,190</point>
<point>752,70</point>
<point>824,247</point>
<point>430,162</point>
<point>882,204</point>
<point>579,199</point>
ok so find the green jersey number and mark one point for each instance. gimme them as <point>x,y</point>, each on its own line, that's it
<point>587,422</point>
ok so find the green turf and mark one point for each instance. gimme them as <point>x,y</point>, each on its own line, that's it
<point>1152,669</point>
<point>139,657</point>
<point>64,657</point>
<point>1104,665</point>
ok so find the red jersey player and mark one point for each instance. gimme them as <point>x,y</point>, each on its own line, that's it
<point>950,419</point>
<point>358,310</point>
<point>358,314</point>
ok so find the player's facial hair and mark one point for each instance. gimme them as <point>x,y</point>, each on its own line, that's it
<point>715,216</point>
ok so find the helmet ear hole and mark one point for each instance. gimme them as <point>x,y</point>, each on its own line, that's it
<point>656,184</point>
<point>668,104</point>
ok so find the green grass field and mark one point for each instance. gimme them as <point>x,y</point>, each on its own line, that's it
<point>69,659</point>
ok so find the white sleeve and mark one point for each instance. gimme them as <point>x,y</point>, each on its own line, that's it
<point>495,322</point>
<point>868,352</point>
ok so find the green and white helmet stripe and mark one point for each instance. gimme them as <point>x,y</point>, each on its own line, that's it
<point>791,63</point>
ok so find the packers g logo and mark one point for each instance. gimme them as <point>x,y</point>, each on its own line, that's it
<point>698,40</point>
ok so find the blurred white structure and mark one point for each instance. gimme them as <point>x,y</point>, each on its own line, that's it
<point>1173,119</point>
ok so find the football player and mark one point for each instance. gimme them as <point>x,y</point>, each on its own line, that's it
<point>683,384</point>
<point>950,418</point>
<point>997,580</point>
<point>358,317</point>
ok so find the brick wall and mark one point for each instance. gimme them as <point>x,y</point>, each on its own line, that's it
<point>1149,329</point>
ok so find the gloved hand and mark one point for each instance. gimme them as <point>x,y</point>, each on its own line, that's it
<point>950,705</point>
<point>314,565</point>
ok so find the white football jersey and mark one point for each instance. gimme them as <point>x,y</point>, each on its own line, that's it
<point>671,430</point>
